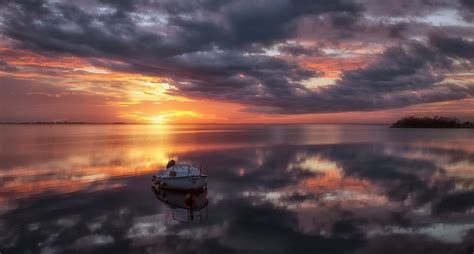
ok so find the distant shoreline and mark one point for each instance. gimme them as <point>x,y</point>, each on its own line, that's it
<point>58,123</point>
<point>436,122</point>
<point>434,127</point>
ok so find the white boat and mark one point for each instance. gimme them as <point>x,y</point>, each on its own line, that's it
<point>180,177</point>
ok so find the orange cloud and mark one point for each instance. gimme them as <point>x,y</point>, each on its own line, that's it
<point>333,67</point>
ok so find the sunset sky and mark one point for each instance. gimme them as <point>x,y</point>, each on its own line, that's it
<point>209,61</point>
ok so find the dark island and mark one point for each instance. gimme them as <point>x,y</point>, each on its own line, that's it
<point>431,122</point>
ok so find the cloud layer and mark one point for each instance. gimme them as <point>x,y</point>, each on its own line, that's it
<point>256,53</point>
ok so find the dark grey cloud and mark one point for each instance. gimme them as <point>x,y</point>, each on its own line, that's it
<point>299,50</point>
<point>63,28</point>
<point>229,25</point>
<point>459,202</point>
<point>453,46</point>
<point>466,9</point>
<point>350,28</point>
<point>467,3</point>
<point>406,8</point>
<point>233,76</point>
<point>121,5</point>
<point>399,68</point>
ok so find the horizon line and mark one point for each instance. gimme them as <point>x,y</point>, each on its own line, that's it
<point>131,123</point>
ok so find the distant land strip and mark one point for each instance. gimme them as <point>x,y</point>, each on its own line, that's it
<point>66,122</point>
<point>432,122</point>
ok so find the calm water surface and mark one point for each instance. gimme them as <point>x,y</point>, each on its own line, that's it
<point>275,189</point>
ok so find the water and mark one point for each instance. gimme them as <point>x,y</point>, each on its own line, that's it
<point>276,189</point>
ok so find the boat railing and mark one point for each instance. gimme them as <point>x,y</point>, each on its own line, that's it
<point>188,215</point>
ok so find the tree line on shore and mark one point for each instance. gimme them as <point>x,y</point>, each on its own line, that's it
<point>431,122</point>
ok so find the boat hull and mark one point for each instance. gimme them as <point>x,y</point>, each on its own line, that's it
<point>182,199</point>
<point>183,183</point>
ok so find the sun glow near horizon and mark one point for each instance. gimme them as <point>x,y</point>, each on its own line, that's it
<point>165,117</point>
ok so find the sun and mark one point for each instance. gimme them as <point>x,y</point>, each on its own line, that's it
<point>158,119</point>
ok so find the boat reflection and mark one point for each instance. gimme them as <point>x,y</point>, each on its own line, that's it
<point>185,205</point>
